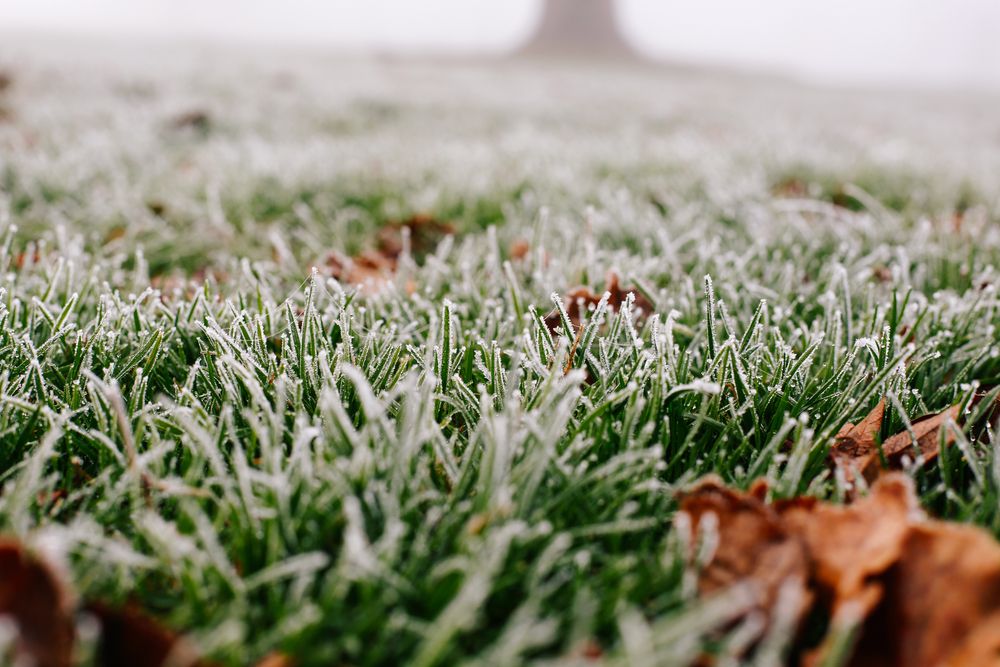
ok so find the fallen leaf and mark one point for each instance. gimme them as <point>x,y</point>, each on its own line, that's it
<point>369,271</point>
<point>519,249</point>
<point>198,120</point>
<point>589,650</point>
<point>856,451</point>
<point>115,233</point>
<point>374,270</point>
<point>940,601</point>
<point>580,300</point>
<point>850,547</point>
<point>276,660</point>
<point>43,610</point>
<point>129,637</point>
<point>918,593</point>
<point>425,233</point>
<point>157,207</point>
<point>32,596</point>
<point>790,188</point>
<point>27,259</point>
<point>926,435</point>
<point>753,543</point>
<point>855,447</point>
<point>981,647</point>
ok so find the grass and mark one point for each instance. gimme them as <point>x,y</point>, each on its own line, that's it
<point>195,420</point>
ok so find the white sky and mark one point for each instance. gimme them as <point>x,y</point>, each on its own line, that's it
<point>916,42</point>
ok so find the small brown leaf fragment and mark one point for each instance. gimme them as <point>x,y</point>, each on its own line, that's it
<point>589,649</point>
<point>580,300</point>
<point>577,302</point>
<point>129,637</point>
<point>28,259</point>
<point>375,270</point>
<point>198,120</point>
<point>32,596</point>
<point>115,233</point>
<point>882,274</point>
<point>619,295</point>
<point>372,272</point>
<point>519,249</point>
<point>957,218</point>
<point>425,233</point>
<point>753,544</point>
<point>276,660</point>
<point>790,188</point>
<point>157,207</point>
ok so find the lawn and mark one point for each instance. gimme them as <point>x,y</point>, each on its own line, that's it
<point>309,355</point>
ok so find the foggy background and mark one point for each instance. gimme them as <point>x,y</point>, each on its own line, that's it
<point>921,43</point>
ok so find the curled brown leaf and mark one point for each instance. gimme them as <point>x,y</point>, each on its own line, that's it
<point>198,120</point>
<point>43,611</point>
<point>753,543</point>
<point>373,271</point>
<point>856,451</point>
<point>276,660</point>
<point>130,637</point>
<point>580,300</point>
<point>849,545</point>
<point>41,607</point>
<point>916,593</point>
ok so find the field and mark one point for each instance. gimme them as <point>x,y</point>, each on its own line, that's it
<point>308,354</point>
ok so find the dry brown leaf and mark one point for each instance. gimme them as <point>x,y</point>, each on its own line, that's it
<point>32,596</point>
<point>425,233</point>
<point>981,647</point>
<point>369,271</point>
<point>753,543</point>
<point>129,637</point>
<point>374,271</point>
<point>790,188</point>
<point>926,432</point>
<point>940,597</point>
<point>519,249</point>
<point>855,449</point>
<point>849,545</point>
<point>42,609</point>
<point>940,602</point>
<point>920,593</point>
<point>198,120</point>
<point>856,452</point>
<point>276,660</point>
<point>580,300</point>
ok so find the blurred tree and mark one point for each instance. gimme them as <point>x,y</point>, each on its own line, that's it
<point>579,29</point>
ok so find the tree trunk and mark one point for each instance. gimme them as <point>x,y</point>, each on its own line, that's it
<point>578,29</point>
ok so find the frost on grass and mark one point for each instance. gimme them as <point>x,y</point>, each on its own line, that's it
<point>265,458</point>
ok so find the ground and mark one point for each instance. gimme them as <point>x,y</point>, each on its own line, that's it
<point>283,363</point>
